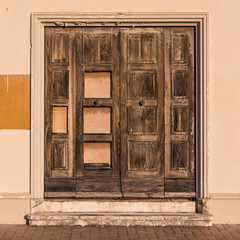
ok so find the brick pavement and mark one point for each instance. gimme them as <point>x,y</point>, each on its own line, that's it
<point>24,232</point>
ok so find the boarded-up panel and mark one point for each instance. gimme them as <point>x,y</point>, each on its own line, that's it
<point>97,85</point>
<point>141,84</point>
<point>97,153</point>
<point>60,117</point>
<point>97,120</point>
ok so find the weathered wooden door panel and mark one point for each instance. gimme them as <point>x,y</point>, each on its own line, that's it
<point>142,132</point>
<point>97,70</point>
<point>119,112</point>
<point>100,184</point>
<point>179,112</point>
<point>81,117</point>
<point>59,111</point>
<point>60,187</point>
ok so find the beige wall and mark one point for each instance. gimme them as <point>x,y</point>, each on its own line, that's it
<point>14,176</point>
<point>223,81</point>
<point>224,207</point>
<point>14,210</point>
<point>15,161</point>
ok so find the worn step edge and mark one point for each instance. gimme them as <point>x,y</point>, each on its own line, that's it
<point>120,219</point>
<point>128,206</point>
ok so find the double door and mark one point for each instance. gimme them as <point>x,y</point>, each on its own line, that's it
<point>119,112</point>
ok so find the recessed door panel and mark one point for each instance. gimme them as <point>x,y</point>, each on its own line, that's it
<point>141,84</point>
<point>142,156</point>
<point>142,120</point>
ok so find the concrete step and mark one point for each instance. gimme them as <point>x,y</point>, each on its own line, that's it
<point>113,206</point>
<point>120,219</point>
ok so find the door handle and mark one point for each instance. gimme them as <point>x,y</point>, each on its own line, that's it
<point>141,103</point>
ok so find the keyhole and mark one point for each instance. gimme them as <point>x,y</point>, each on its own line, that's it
<point>96,102</point>
<point>141,103</point>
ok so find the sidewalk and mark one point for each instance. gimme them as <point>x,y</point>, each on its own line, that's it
<point>24,232</point>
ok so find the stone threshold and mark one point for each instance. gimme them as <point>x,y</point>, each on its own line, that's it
<point>112,206</point>
<point>120,219</point>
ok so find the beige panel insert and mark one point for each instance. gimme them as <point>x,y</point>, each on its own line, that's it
<point>59,124</point>
<point>97,120</point>
<point>97,153</point>
<point>97,85</point>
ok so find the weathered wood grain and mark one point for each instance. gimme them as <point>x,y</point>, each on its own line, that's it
<point>179,104</point>
<point>152,112</point>
<point>141,111</point>
<point>180,185</point>
<point>58,87</point>
<point>60,185</point>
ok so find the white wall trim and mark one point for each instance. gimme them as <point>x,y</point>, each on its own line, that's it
<point>40,20</point>
<point>14,196</point>
<point>224,196</point>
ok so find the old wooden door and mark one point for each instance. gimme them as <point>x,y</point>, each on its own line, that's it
<point>179,104</point>
<point>82,112</point>
<point>142,111</point>
<point>97,113</point>
<point>119,112</point>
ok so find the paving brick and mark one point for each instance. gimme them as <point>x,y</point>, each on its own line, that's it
<point>24,232</point>
<point>46,236</point>
<point>2,233</point>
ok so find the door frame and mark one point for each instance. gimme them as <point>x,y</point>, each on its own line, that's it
<point>41,20</point>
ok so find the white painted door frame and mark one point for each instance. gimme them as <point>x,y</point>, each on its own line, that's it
<point>41,20</point>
